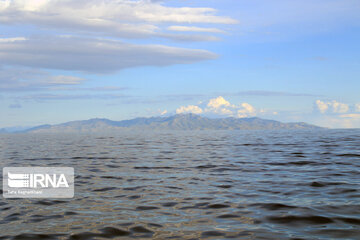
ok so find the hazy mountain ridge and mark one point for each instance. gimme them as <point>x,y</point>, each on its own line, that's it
<point>175,122</point>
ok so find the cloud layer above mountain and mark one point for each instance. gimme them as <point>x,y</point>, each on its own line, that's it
<point>331,107</point>
<point>338,114</point>
<point>220,107</point>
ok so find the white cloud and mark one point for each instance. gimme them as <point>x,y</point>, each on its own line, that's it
<point>340,107</point>
<point>338,121</point>
<point>194,29</point>
<point>123,18</point>
<point>189,109</point>
<point>64,80</point>
<point>247,110</point>
<point>5,40</point>
<point>218,102</point>
<point>97,20</point>
<point>4,4</point>
<point>357,107</point>
<point>220,107</point>
<point>331,107</point>
<point>335,114</point>
<point>351,115</point>
<point>189,37</point>
<point>321,106</point>
<point>93,55</point>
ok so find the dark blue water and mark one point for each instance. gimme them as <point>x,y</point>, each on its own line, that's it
<point>191,185</point>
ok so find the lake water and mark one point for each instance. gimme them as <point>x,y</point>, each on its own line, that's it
<point>191,185</point>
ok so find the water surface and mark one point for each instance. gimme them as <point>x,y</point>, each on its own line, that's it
<point>191,185</point>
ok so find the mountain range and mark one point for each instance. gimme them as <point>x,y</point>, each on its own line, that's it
<point>175,122</point>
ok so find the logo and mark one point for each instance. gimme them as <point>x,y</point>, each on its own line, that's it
<point>38,182</point>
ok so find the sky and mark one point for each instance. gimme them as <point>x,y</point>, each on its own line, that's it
<point>291,61</point>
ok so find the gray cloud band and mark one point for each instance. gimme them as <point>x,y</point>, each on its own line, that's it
<point>92,55</point>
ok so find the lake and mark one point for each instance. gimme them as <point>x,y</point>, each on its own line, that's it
<point>191,185</point>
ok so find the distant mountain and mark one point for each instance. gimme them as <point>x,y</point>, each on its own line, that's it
<point>176,122</point>
<point>13,129</point>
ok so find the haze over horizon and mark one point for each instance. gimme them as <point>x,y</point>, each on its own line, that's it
<point>291,61</point>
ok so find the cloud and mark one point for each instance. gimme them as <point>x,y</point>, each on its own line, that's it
<point>335,114</point>
<point>189,109</point>
<point>26,79</point>
<point>220,107</point>
<point>190,37</point>
<point>152,113</point>
<point>95,89</point>
<point>15,105</point>
<point>322,106</point>
<point>121,18</point>
<point>331,107</point>
<point>94,52</point>
<point>339,121</point>
<point>247,110</point>
<point>54,97</point>
<point>357,107</point>
<point>218,102</point>
<point>62,80</point>
<point>351,115</point>
<point>194,29</point>
<point>93,55</point>
<point>345,120</point>
<point>5,40</point>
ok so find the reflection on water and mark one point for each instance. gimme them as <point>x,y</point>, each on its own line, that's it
<point>190,185</point>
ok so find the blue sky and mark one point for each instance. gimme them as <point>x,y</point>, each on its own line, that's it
<point>283,60</point>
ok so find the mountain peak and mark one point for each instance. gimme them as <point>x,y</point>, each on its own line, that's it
<point>188,116</point>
